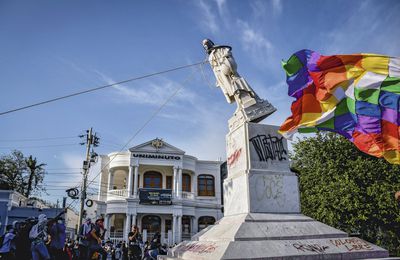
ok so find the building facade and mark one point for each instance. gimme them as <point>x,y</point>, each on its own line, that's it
<point>159,188</point>
<point>15,207</point>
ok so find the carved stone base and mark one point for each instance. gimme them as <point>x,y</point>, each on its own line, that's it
<point>262,218</point>
<point>273,236</point>
<point>254,113</point>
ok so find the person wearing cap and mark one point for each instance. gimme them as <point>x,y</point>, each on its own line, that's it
<point>7,249</point>
<point>97,234</point>
<point>57,234</point>
<point>38,236</point>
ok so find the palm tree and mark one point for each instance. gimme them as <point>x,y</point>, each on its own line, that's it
<point>36,174</point>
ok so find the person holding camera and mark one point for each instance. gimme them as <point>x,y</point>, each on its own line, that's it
<point>134,241</point>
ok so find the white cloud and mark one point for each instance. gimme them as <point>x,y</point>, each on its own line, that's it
<point>276,92</point>
<point>150,92</point>
<point>277,7</point>
<point>256,44</point>
<point>363,30</point>
<point>252,39</point>
<point>260,9</point>
<point>221,5</point>
<point>210,20</point>
<point>206,140</point>
<point>72,160</point>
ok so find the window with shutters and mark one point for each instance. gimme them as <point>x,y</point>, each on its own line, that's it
<point>205,185</point>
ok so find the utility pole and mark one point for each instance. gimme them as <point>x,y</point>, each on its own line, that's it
<point>90,157</point>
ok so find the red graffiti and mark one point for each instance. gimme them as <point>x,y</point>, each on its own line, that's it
<point>234,157</point>
<point>199,248</point>
<point>352,244</point>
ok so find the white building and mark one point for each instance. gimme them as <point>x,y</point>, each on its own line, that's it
<point>159,188</point>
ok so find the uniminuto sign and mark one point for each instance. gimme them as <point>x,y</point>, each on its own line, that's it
<point>156,156</point>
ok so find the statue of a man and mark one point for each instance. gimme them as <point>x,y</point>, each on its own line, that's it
<point>234,87</point>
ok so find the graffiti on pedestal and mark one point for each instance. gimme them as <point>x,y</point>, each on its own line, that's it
<point>351,244</point>
<point>270,187</point>
<point>317,248</point>
<point>198,247</point>
<point>234,157</point>
<point>269,147</point>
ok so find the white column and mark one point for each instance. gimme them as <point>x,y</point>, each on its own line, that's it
<point>162,229</point>
<point>194,225</point>
<point>107,224</point>
<point>109,179</point>
<point>194,181</point>
<point>127,226</point>
<point>135,182</point>
<point>179,229</point>
<point>174,229</point>
<point>134,220</point>
<point>179,186</point>
<point>99,196</point>
<point>130,179</point>
<point>174,181</point>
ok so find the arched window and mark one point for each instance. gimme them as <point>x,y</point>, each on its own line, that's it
<point>205,185</point>
<point>186,182</point>
<point>151,223</point>
<point>206,221</point>
<point>152,180</point>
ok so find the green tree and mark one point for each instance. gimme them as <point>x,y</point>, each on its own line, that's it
<point>20,173</point>
<point>35,174</point>
<point>11,171</point>
<point>348,189</point>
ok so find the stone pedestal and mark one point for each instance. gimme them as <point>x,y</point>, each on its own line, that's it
<point>262,217</point>
<point>259,179</point>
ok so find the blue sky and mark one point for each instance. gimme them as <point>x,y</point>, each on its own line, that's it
<point>53,48</point>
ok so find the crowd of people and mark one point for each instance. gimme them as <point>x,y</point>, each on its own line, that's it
<point>43,239</point>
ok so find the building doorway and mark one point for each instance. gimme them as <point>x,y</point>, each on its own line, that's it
<point>152,224</point>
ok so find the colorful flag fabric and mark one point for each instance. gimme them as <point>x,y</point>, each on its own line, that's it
<point>357,96</point>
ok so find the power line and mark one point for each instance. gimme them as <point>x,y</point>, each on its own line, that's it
<point>99,88</point>
<point>138,131</point>
<point>37,139</point>
<point>62,173</point>
<point>38,146</point>
<point>145,124</point>
<point>55,169</point>
<point>68,183</point>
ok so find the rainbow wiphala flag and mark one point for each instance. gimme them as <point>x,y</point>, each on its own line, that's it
<point>357,96</point>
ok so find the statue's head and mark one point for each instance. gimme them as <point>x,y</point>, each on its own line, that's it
<point>207,45</point>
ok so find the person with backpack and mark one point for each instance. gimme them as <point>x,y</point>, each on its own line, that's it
<point>84,237</point>
<point>7,244</point>
<point>39,236</point>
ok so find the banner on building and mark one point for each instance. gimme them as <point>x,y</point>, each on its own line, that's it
<point>152,196</point>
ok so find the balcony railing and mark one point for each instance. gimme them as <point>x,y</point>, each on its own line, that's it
<point>120,194</point>
<point>115,236</point>
<point>188,195</point>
